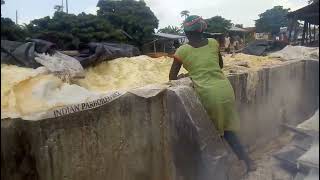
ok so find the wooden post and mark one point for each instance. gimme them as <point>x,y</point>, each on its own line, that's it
<point>16,16</point>
<point>164,46</point>
<point>295,34</point>
<point>304,32</point>
<point>290,29</point>
<point>314,33</point>
<point>309,29</point>
<point>67,6</point>
<point>62,5</point>
<point>307,34</point>
<point>154,46</point>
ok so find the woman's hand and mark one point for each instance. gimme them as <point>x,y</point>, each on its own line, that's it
<point>182,75</point>
<point>175,68</point>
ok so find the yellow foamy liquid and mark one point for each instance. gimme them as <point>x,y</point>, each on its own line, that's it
<point>127,73</point>
<point>25,91</point>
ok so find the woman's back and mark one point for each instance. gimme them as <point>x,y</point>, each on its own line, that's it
<point>202,63</point>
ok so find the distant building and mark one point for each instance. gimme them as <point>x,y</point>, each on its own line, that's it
<point>310,15</point>
<point>163,43</point>
<point>265,36</point>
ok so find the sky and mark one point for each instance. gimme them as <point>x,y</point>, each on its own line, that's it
<point>167,11</point>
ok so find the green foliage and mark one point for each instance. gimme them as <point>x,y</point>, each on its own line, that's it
<point>272,19</point>
<point>170,30</point>
<point>218,24</point>
<point>68,30</point>
<point>313,1</point>
<point>11,31</point>
<point>239,25</point>
<point>184,13</point>
<point>134,17</point>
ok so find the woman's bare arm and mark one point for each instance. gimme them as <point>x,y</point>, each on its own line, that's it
<point>175,68</point>
<point>220,61</point>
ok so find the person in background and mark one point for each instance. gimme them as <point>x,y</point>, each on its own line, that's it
<point>203,61</point>
<point>227,43</point>
<point>233,44</point>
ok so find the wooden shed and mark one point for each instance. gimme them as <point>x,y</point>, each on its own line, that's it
<point>310,15</point>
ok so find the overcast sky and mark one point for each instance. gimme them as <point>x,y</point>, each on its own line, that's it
<point>167,11</point>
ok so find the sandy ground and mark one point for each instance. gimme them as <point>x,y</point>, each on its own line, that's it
<point>267,166</point>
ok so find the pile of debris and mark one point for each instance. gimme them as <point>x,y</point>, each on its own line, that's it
<point>297,53</point>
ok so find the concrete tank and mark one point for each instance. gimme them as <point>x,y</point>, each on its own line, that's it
<point>165,135</point>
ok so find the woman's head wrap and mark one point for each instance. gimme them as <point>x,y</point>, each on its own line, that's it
<point>194,23</point>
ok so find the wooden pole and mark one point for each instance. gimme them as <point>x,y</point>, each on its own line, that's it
<point>62,5</point>
<point>67,6</point>
<point>16,16</point>
<point>314,32</point>
<point>154,46</point>
<point>307,34</point>
<point>290,29</point>
<point>304,32</point>
<point>309,29</point>
<point>295,34</point>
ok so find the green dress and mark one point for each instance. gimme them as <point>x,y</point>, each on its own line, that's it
<point>213,88</point>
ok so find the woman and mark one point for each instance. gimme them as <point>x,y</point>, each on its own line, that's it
<point>203,61</point>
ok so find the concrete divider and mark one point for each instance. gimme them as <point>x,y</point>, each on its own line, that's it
<point>285,94</point>
<point>164,137</point>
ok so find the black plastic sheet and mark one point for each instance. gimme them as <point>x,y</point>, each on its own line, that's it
<point>94,53</point>
<point>23,53</point>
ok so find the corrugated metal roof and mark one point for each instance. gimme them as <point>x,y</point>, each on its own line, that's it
<point>213,33</point>
<point>233,28</point>
<point>169,36</point>
<point>308,13</point>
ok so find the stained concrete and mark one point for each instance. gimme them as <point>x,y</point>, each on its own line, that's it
<point>165,137</point>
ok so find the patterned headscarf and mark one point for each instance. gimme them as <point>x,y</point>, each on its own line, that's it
<point>194,23</point>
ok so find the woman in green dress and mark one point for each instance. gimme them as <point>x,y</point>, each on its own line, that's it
<point>203,61</point>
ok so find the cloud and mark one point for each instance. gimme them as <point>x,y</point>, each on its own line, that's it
<point>91,10</point>
<point>238,11</point>
<point>293,5</point>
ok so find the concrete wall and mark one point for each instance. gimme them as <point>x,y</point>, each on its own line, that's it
<point>286,94</point>
<point>165,137</point>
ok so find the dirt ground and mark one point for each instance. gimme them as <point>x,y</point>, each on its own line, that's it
<point>267,166</point>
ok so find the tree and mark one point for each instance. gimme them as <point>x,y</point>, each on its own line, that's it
<point>313,1</point>
<point>239,25</point>
<point>170,30</point>
<point>218,24</point>
<point>134,17</point>
<point>11,31</point>
<point>272,19</point>
<point>185,14</point>
<point>68,30</point>
<point>58,8</point>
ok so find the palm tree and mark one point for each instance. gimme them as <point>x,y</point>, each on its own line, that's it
<point>185,14</point>
<point>170,30</point>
